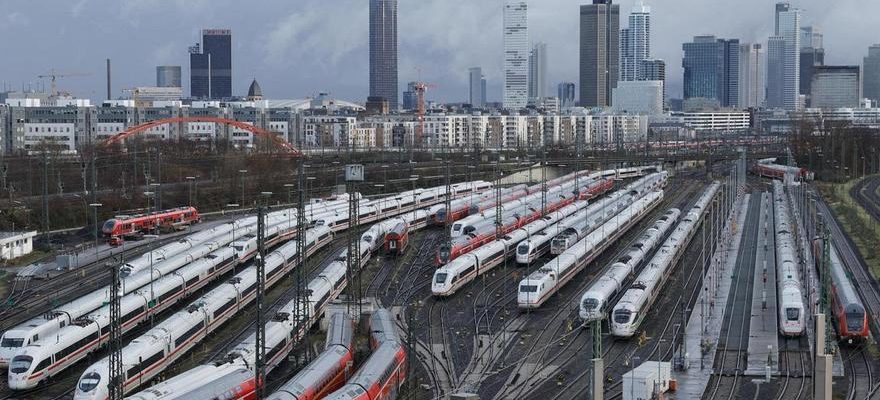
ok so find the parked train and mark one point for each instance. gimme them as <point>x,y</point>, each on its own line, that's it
<point>598,297</point>
<point>49,356</point>
<point>382,375</point>
<point>126,226</point>
<point>232,377</point>
<point>536,288</point>
<point>326,373</point>
<point>461,208</point>
<point>397,239</point>
<point>792,317</point>
<point>585,220</point>
<point>767,168</point>
<point>633,306</point>
<point>453,276</point>
<point>850,317</point>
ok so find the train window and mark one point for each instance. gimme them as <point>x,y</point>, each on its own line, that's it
<point>20,364</point>
<point>792,314</point>
<point>440,277</point>
<point>12,342</point>
<point>528,288</point>
<point>590,304</point>
<point>622,316</point>
<point>523,249</point>
<point>89,381</point>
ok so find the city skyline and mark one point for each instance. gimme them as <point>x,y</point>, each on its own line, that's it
<point>303,50</point>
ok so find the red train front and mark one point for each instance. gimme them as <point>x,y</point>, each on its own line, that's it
<point>397,239</point>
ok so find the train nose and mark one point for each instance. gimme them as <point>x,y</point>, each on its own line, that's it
<point>19,382</point>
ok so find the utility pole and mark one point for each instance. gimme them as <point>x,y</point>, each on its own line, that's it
<point>447,201</point>
<point>46,198</point>
<point>260,355</point>
<point>116,376</point>
<point>544,181</point>
<point>353,173</point>
<point>301,314</point>
<point>598,364</point>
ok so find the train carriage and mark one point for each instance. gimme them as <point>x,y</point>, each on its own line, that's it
<point>397,239</point>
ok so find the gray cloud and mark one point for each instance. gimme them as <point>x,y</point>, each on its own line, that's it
<point>297,48</point>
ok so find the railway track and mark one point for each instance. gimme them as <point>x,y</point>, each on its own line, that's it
<point>867,194</point>
<point>794,369</point>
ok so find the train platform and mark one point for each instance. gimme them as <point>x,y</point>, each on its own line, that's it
<point>701,345</point>
<point>763,327</point>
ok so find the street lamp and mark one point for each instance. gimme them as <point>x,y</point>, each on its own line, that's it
<point>157,198</point>
<point>190,180</point>
<point>233,206</point>
<point>413,179</point>
<point>148,194</point>
<point>152,302</point>
<point>95,208</point>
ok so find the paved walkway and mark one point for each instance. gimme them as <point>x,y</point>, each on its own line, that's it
<point>763,329</point>
<point>692,383</point>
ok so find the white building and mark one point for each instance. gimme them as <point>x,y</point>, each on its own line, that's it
<point>638,97</point>
<point>718,121</point>
<point>516,54</point>
<point>538,71</point>
<point>835,87</point>
<point>16,244</point>
<point>635,43</point>
<point>752,69</point>
<point>790,31</point>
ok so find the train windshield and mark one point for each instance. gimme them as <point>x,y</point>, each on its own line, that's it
<point>523,249</point>
<point>20,364</point>
<point>89,382</point>
<point>622,316</point>
<point>108,226</point>
<point>792,314</point>
<point>12,342</point>
<point>854,321</point>
<point>528,288</point>
<point>590,304</point>
<point>440,277</point>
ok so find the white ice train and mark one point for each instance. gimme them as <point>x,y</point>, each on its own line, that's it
<point>328,371</point>
<point>536,288</point>
<point>597,298</point>
<point>788,280</point>
<point>581,224</point>
<point>457,273</point>
<point>48,356</point>
<point>231,376</point>
<point>633,306</point>
<point>46,325</point>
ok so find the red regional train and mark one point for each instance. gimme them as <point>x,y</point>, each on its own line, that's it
<point>128,226</point>
<point>397,239</point>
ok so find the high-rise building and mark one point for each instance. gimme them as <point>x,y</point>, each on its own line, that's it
<point>566,93</point>
<point>639,97</point>
<point>783,60</point>
<point>751,75</point>
<point>599,52</point>
<point>516,55</point>
<point>410,97</point>
<point>477,97</point>
<point>383,50</point>
<point>711,70</point>
<point>871,70</point>
<point>211,65</point>
<point>538,71</point>
<point>635,42</point>
<point>168,76</point>
<point>811,55</point>
<point>835,87</point>
<point>654,70</point>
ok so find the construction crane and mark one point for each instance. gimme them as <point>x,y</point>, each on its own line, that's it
<point>421,88</point>
<point>52,75</point>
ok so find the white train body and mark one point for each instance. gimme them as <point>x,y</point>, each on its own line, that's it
<point>76,341</point>
<point>214,379</point>
<point>633,306</point>
<point>451,277</point>
<point>788,280</point>
<point>597,298</point>
<point>536,288</point>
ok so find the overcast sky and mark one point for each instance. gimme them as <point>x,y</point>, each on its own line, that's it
<point>297,48</point>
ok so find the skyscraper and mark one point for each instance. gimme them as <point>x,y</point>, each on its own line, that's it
<point>635,42</point>
<point>538,71</point>
<point>835,87</point>
<point>516,55</point>
<point>566,93</point>
<point>751,75</point>
<point>871,70</point>
<point>383,50</point>
<point>654,70</point>
<point>812,55</point>
<point>168,76</point>
<point>477,97</point>
<point>599,48</point>
<point>211,65</point>
<point>410,97</point>
<point>783,59</point>
<point>711,69</point>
